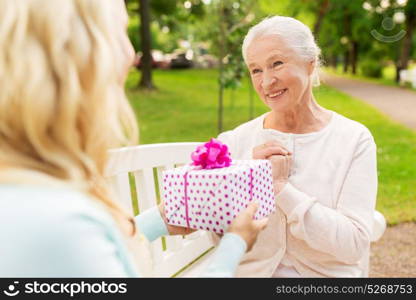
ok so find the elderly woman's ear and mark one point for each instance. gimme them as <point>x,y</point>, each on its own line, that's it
<point>311,67</point>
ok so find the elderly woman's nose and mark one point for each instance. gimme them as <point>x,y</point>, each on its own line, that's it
<point>268,81</point>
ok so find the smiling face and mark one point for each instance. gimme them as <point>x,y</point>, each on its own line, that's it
<point>279,75</point>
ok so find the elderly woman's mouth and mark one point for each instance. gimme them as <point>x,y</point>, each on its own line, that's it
<point>276,95</point>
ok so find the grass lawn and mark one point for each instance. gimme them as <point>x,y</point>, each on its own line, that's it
<point>184,108</point>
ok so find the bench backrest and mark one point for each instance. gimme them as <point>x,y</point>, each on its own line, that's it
<point>136,173</point>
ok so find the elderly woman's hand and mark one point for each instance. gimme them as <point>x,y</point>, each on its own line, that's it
<point>281,165</point>
<point>264,151</point>
<point>281,160</point>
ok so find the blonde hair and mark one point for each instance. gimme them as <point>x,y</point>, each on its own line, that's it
<point>62,103</point>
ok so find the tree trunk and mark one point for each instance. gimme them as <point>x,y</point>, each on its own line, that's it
<point>222,53</point>
<point>398,69</point>
<point>323,9</point>
<point>145,36</point>
<point>348,34</point>
<point>403,62</point>
<point>220,96</point>
<point>334,61</point>
<point>346,61</point>
<point>354,57</point>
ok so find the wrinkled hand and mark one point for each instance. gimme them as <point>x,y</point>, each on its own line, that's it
<point>264,151</point>
<point>246,227</point>
<point>281,165</point>
<point>172,229</point>
<point>281,160</point>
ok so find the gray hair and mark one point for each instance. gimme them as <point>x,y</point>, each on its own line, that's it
<point>295,33</point>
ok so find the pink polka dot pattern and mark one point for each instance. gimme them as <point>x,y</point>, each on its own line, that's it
<point>215,197</point>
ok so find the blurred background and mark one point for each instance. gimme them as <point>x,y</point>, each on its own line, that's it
<point>189,83</point>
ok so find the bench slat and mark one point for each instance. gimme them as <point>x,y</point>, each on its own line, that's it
<point>122,188</point>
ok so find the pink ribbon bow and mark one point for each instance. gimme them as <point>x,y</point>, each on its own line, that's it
<point>211,155</point>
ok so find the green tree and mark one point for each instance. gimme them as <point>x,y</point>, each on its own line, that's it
<point>397,43</point>
<point>233,18</point>
<point>331,21</point>
<point>147,17</point>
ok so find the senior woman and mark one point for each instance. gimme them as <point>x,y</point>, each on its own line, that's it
<point>63,65</point>
<point>324,163</point>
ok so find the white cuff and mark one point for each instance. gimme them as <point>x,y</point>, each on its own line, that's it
<point>290,197</point>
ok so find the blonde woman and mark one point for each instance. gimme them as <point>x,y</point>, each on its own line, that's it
<point>62,106</point>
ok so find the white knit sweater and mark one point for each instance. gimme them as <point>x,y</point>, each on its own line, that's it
<point>325,213</point>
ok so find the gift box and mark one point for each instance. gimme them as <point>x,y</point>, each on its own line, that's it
<point>209,198</point>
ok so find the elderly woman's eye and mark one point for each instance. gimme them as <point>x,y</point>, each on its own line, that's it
<point>277,63</point>
<point>255,71</point>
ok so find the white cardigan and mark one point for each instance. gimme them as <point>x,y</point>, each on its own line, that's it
<point>325,212</point>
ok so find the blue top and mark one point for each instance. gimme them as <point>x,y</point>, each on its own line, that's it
<point>59,232</point>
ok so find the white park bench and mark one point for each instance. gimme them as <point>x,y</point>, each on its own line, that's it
<point>137,171</point>
<point>408,76</point>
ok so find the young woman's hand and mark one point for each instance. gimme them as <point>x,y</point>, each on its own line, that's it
<point>172,229</point>
<point>246,227</point>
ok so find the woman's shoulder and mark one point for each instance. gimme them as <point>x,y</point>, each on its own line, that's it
<point>247,127</point>
<point>345,126</point>
<point>45,205</point>
<point>255,124</point>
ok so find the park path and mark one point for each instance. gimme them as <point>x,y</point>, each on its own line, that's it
<point>398,103</point>
<point>394,254</point>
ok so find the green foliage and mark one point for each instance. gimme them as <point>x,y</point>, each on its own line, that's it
<point>303,10</point>
<point>200,23</point>
<point>163,7</point>
<point>372,68</point>
<point>165,14</point>
<point>350,21</point>
<point>231,23</point>
<point>133,32</point>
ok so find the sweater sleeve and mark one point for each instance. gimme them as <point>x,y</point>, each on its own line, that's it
<point>76,246</point>
<point>151,224</point>
<point>343,231</point>
<point>226,257</point>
